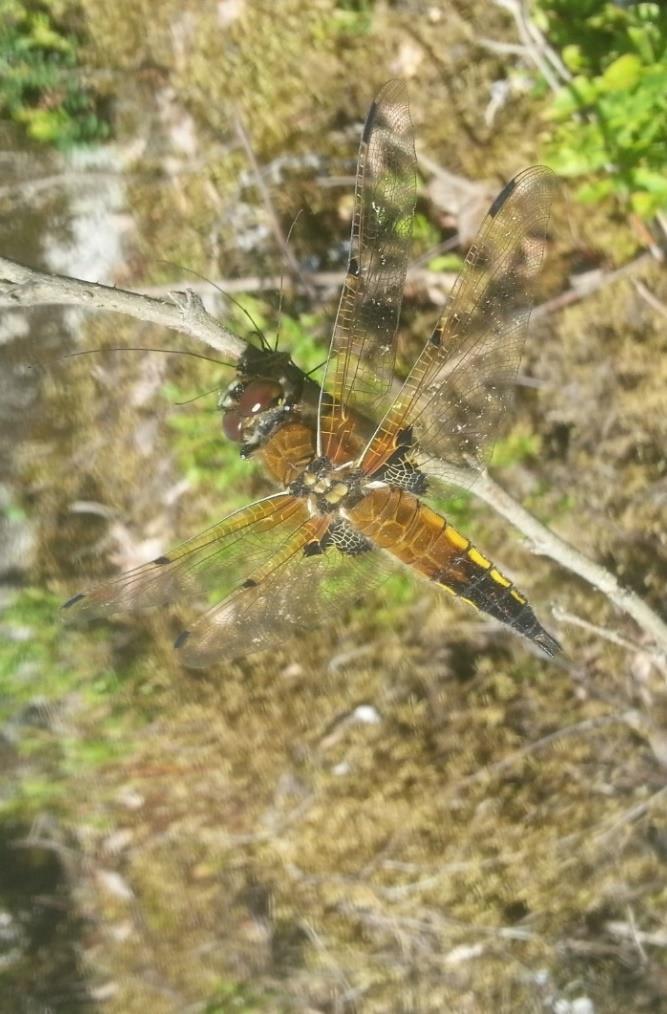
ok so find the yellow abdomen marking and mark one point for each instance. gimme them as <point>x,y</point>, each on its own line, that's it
<point>476,557</point>
<point>499,578</point>
<point>456,538</point>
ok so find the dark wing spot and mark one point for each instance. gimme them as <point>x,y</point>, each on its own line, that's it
<point>249,583</point>
<point>436,338</point>
<point>353,267</point>
<point>404,437</point>
<point>73,600</point>
<point>181,639</point>
<point>313,548</point>
<point>370,123</point>
<point>502,197</point>
<point>161,560</point>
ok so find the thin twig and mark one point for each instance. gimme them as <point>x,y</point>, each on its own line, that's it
<point>536,48</point>
<point>276,229</point>
<point>587,725</point>
<point>628,931</point>
<point>630,816</point>
<point>182,311</point>
<point>540,41</point>
<point>563,616</point>
<point>589,284</point>
<point>650,298</point>
<point>321,282</point>
<point>504,48</point>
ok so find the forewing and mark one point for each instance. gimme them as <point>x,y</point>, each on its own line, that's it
<point>359,369</point>
<point>206,567</point>
<point>461,384</point>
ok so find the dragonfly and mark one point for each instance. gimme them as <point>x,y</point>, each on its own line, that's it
<point>353,466</point>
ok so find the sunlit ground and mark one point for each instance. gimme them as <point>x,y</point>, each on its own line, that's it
<point>405,810</point>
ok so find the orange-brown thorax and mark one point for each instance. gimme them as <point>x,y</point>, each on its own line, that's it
<point>288,451</point>
<point>292,446</point>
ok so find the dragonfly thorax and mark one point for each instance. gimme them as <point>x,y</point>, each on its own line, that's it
<point>327,488</point>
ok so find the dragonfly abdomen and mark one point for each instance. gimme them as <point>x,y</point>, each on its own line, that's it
<point>399,522</point>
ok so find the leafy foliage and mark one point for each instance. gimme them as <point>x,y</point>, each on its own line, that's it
<point>41,85</point>
<point>611,118</point>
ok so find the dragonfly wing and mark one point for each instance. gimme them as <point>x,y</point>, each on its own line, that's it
<point>359,369</point>
<point>460,386</point>
<point>303,584</point>
<point>207,566</point>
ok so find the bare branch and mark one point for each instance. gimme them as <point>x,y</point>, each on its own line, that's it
<point>535,46</point>
<point>181,311</point>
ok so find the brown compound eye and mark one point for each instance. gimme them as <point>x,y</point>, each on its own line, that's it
<point>256,397</point>
<point>231,425</point>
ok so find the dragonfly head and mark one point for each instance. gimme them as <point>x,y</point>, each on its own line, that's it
<point>267,387</point>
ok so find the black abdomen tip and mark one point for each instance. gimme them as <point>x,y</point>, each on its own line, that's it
<point>548,644</point>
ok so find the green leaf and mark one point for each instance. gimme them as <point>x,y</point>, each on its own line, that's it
<point>580,92</point>
<point>645,204</point>
<point>573,58</point>
<point>653,182</point>
<point>44,36</point>
<point>514,448</point>
<point>45,124</point>
<point>591,193</point>
<point>623,74</point>
<point>641,40</point>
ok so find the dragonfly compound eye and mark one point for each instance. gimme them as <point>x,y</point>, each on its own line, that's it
<point>231,425</point>
<point>258,396</point>
<point>251,401</point>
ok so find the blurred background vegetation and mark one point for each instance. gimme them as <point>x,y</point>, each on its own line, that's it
<point>409,811</point>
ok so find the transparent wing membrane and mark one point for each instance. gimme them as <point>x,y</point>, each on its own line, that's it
<point>264,570</point>
<point>206,566</point>
<point>291,593</point>
<point>359,369</point>
<point>461,384</point>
